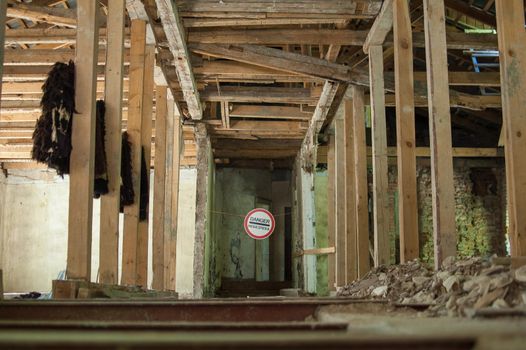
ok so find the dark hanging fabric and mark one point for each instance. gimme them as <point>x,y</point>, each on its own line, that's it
<point>101,176</point>
<point>52,135</point>
<point>145,187</point>
<point>127,192</point>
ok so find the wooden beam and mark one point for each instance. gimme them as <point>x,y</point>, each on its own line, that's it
<point>50,35</point>
<point>382,254</point>
<point>466,101</point>
<point>176,39</point>
<point>25,57</point>
<point>146,143</point>
<point>512,47</point>
<point>158,248</point>
<point>135,112</point>
<point>471,11</point>
<point>349,190</point>
<point>110,203</point>
<point>3,7</point>
<point>52,15</point>
<point>82,159</point>
<point>344,260</point>
<point>276,59</point>
<point>268,112</point>
<point>360,182</point>
<point>262,95</point>
<point>405,130</point>
<point>331,211</point>
<point>442,184</point>
<point>382,25</point>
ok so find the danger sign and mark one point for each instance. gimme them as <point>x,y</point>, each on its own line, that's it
<point>259,223</point>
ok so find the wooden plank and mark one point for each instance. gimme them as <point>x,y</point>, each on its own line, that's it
<point>405,130</point>
<point>158,267</point>
<point>317,251</point>
<point>442,184</point>
<point>24,57</point>
<point>176,39</point>
<point>171,233</point>
<point>361,184</point>
<point>268,112</point>
<point>82,159</point>
<point>381,27</point>
<point>512,47</point>
<point>262,95</point>
<point>110,203</point>
<point>382,254</point>
<point>466,101</point>
<point>342,264</point>
<point>3,7</point>
<point>471,11</point>
<point>331,212</point>
<point>349,206</point>
<point>135,111</point>
<point>146,143</point>
<point>52,15</point>
<point>308,217</point>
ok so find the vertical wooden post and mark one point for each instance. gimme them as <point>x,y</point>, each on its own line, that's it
<point>443,191</point>
<point>167,210</point>
<point>146,142</point>
<point>405,129</point>
<point>82,159</point>
<point>361,184</point>
<point>351,243</point>
<point>159,189</point>
<point>3,10</point>
<point>379,158</point>
<point>135,108</point>
<point>109,205</point>
<point>308,219</point>
<point>171,235</point>
<point>342,265</point>
<point>331,209</point>
<point>512,47</point>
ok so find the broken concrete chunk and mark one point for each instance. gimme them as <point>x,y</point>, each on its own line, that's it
<point>379,291</point>
<point>451,284</point>
<point>520,274</point>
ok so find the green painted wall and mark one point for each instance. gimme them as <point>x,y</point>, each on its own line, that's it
<point>320,198</point>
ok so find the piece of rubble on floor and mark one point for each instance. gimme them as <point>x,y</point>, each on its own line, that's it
<point>459,288</point>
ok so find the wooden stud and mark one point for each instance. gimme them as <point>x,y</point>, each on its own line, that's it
<point>348,174</point>
<point>341,235</point>
<point>405,128</point>
<point>135,111</point>
<point>512,47</point>
<point>158,267</point>
<point>379,158</point>
<point>110,203</point>
<point>360,183</point>
<point>3,7</point>
<point>146,143</point>
<point>82,158</point>
<point>381,27</point>
<point>307,223</point>
<point>443,191</point>
<point>331,206</point>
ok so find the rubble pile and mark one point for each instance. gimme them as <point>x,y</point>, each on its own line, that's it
<point>459,288</point>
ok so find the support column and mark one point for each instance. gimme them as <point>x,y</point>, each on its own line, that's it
<point>146,142</point>
<point>3,10</point>
<point>159,189</point>
<point>135,110</point>
<point>379,157</point>
<point>331,206</point>
<point>345,255</point>
<point>405,131</point>
<point>82,159</point>
<point>512,47</point>
<point>309,235</point>
<point>443,191</point>
<point>109,203</point>
<point>360,176</point>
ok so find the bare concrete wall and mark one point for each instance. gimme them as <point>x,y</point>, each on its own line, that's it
<point>33,230</point>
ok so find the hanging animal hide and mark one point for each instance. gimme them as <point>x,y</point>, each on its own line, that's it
<point>127,193</point>
<point>52,135</point>
<point>145,189</point>
<point>101,177</point>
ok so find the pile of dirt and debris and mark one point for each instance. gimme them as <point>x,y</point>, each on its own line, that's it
<point>459,288</point>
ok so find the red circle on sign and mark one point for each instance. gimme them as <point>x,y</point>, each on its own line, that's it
<point>273,223</point>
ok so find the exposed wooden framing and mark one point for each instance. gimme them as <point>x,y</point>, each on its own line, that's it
<point>512,47</point>
<point>308,219</point>
<point>146,143</point>
<point>276,59</point>
<point>82,157</point>
<point>360,183</point>
<point>382,254</point>
<point>471,11</point>
<point>176,39</point>
<point>344,260</point>
<point>49,36</point>
<point>53,15</point>
<point>235,22</point>
<point>135,112</point>
<point>485,79</point>
<point>270,112</point>
<point>405,129</point>
<point>466,101</point>
<point>350,242</point>
<point>225,114</point>
<point>443,191</point>
<point>331,206</point>
<point>201,214</point>
<point>25,57</point>
<point>158,249</point>
<point>171,231</point>
<point>381,27</point>
<point>110,203</point>
<point>262,95</point>
<point>3,7</point>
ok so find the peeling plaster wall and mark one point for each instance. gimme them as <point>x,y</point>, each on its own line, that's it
<point>322,237</point>
<point>33,230</point>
